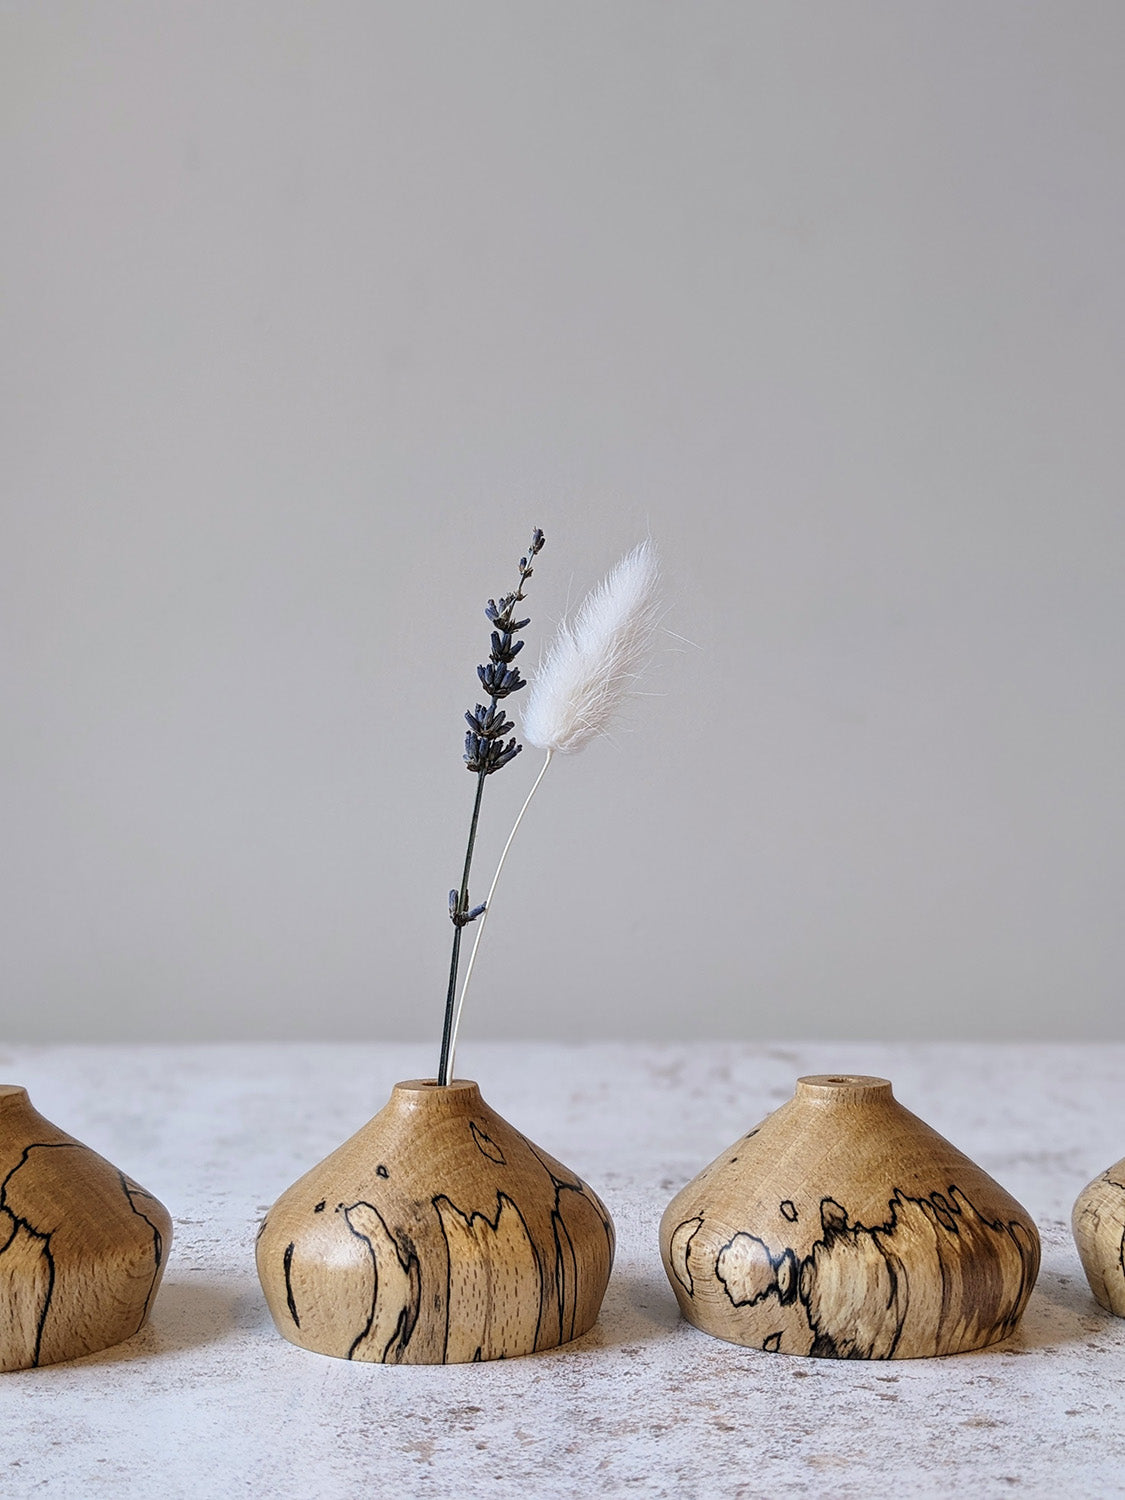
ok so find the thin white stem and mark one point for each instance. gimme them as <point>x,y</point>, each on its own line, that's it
<point>483,918</point>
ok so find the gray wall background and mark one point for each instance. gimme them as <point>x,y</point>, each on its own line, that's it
<point>313,310</point>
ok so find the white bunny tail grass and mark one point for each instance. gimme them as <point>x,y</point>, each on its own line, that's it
<point>590,668</point>
<point>593,663</point>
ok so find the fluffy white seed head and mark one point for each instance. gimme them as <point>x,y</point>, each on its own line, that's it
<point>593,663</point>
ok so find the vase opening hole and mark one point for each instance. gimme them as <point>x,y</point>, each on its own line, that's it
<point>430,1088</point>
<point>840,1086</point>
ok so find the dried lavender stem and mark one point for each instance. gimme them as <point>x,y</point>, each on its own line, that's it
<point>484,915</point>
<point>445,1064</point>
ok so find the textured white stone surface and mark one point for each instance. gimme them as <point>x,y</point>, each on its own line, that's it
<point>209,1401</point>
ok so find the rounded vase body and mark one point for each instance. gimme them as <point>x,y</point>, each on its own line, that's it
<point>82,1247</point>
<point>1099,1233</point>
<point>843,1226</point>
<point>437,1234</point>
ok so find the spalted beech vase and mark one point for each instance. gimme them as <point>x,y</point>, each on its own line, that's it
<point>844,1226</point>
<point>1099,1233</point>
<point>82,1248</point>
<point>436,1235</point>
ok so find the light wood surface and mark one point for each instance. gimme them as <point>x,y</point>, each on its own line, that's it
<point>1099,1232</point>
<point>843,1226</point>
<point>82,1247</point>
<point>436,1234</point>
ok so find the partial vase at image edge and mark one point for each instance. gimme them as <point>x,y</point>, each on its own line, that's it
<point>82,1246</point>
<point>1098,1224</point>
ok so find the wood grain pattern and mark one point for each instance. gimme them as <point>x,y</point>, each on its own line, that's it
<point>437,1235</point>
<point>843,1226</point>
<point>82,1247</point>
<point>1099,1232</point>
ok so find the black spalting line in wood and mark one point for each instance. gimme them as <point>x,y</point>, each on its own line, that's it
<point>566,1274</point>
<point>946,1212</point>
<point>408,1317</point>
<point>494,1224</point>
<point>404,1327</point>
<point>789,1210</point>
<point>947,1289</point>
<point>576,1186</point>
<point>44,1236</point>
<point>1120,1186</point>
<point>487,1146</point>
<point>689,1284</point>
<point>786,1270</point>
<point>287,1263</point>
<point>129,1188</point>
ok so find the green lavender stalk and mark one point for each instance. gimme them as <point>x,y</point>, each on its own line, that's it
<point>486,752</point>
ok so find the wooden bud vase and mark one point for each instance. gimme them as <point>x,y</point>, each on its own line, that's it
<point>436,1235</point>
<point>82,1248</point>
<point>844,1226</point>
<point>1099,1233</point>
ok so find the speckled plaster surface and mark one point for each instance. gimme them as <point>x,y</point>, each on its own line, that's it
<point>209,1401</point>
